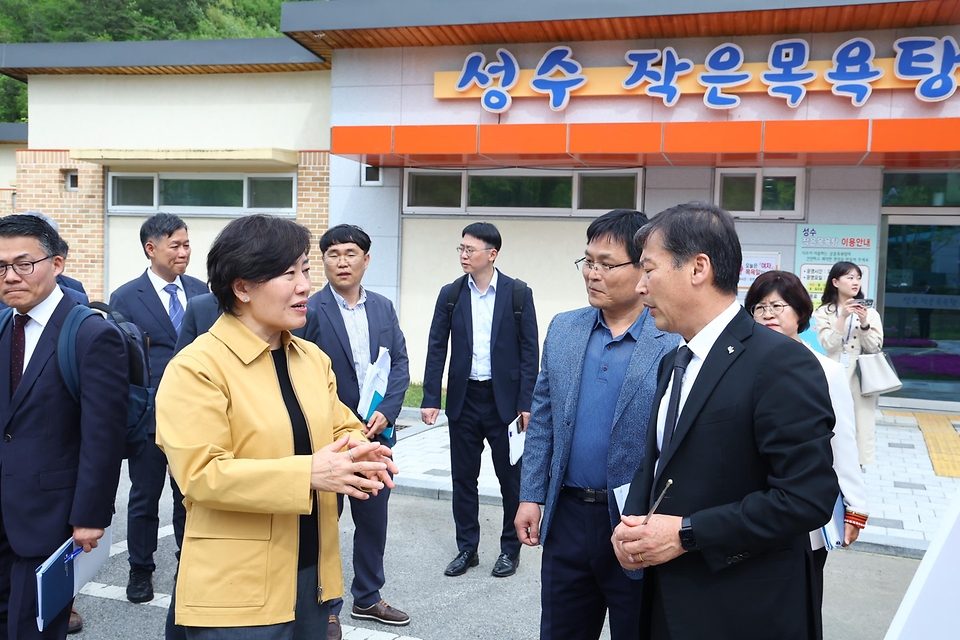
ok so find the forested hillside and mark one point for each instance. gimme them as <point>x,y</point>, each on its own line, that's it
<point>106,20</point>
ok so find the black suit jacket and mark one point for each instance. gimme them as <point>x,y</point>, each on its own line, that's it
<point>752,467</point>
<point>201,312</point>
<point>330,334</point>
<point>139,303</point>
<point>60,460</point>
<point>514,359</point>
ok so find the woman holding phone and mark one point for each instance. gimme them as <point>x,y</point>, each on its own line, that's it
<point>847,327</point>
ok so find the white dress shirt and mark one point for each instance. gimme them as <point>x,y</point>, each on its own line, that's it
<point>481,307</point>
<point>358,332</point>
<point>700,345</point>
<point>159,283</point>
<point>39,317</point>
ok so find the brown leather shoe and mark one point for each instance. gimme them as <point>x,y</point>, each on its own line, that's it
<point>333,629</point>
<point>381,612</point>
<point>76,622</point>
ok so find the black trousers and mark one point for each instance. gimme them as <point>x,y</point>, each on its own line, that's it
<point>581,578</point>
<point>148,472</point>
<point>369,543</point>
<point>18,597</point>
<point>479,421</point>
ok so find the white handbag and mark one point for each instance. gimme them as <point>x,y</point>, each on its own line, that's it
<point>877,374</point>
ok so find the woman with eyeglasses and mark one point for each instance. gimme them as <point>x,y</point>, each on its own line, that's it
<point>779,301</point>
<point>847,327</point>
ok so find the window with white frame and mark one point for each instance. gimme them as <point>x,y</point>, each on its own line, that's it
<point>371,176</point>
<point>71,180</point>
<point>202,193</point>
<point>532,192</point>
<point>774,193</point>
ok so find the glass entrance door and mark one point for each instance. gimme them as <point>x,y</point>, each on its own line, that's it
<point>921,305</point>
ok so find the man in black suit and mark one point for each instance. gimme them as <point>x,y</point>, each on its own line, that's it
<point>727,554</point>
<point>352,325</point>
<point>59,459</point>
<point>493,369</point>
<point>155,302</point>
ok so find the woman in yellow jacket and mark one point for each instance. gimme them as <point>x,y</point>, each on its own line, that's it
<point>259,443</point>
<point>845,329</point>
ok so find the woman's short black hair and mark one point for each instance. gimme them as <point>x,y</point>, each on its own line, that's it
<point>789,288</point>
<point>830,293</point>
<point>255,248</point>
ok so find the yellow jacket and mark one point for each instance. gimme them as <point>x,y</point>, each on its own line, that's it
<point>223,425</point>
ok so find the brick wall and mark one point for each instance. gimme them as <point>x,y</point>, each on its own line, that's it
<point>6,201</point>
<point>80,213</point>
<point>313,203</point>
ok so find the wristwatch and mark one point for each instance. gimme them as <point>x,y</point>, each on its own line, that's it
<point>687,538</point>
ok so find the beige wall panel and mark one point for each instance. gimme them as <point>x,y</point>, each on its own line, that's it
<point>126,260</point>
<point>225,111</point>
<point>540,252</point>
<point>8,164</point>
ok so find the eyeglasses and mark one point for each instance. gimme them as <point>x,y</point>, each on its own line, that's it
<point>470,250</point>
<point>334,258</point>
<point>775,309</point>
<point>602,267</point>
<point>24,268</point>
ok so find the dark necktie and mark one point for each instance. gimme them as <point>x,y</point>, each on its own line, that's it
<point>18,346</point>
<point>679,368</point>
<point>175,309</point>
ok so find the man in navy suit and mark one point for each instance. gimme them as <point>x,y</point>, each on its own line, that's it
<point>155,302</point>
<point>588,426</point>
<point>493,368</point>
<point>352,325</point>
<point>743,425</point>
<point>59,459</point>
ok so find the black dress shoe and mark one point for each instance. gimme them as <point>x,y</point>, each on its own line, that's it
<point>459,565</point>
<point>506,565</point>
<point>140,586</point>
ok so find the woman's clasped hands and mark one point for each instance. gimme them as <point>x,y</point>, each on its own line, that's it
<point>363,468</point>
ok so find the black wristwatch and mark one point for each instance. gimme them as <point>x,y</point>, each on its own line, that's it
<point>687,538</point>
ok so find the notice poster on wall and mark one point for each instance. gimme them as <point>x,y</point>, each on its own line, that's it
<point>820,246</point>
<point>755,263</point>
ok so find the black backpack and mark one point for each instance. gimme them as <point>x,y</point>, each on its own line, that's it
<point>141,399</point>
<point>519,295</point>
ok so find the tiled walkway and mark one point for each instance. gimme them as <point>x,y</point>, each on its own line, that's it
<point>916,477</point>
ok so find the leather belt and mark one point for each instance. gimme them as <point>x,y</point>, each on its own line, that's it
<point>585,495</point>
<point>480,383</point>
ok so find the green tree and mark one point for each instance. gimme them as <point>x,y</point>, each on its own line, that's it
<point>124,20</point>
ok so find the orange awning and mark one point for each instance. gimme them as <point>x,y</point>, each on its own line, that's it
<point>921,143</point>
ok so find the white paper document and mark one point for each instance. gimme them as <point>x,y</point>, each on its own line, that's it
<point>516,437</point>
<point>621,493</point>
<point>374,386</point>
<point>64,573</point>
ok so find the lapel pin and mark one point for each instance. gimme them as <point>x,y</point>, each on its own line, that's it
<point>730,350</point>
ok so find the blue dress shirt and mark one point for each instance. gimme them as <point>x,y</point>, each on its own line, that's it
<point>604,367</point>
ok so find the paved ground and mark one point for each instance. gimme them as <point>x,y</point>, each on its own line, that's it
<point>863,590</point>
